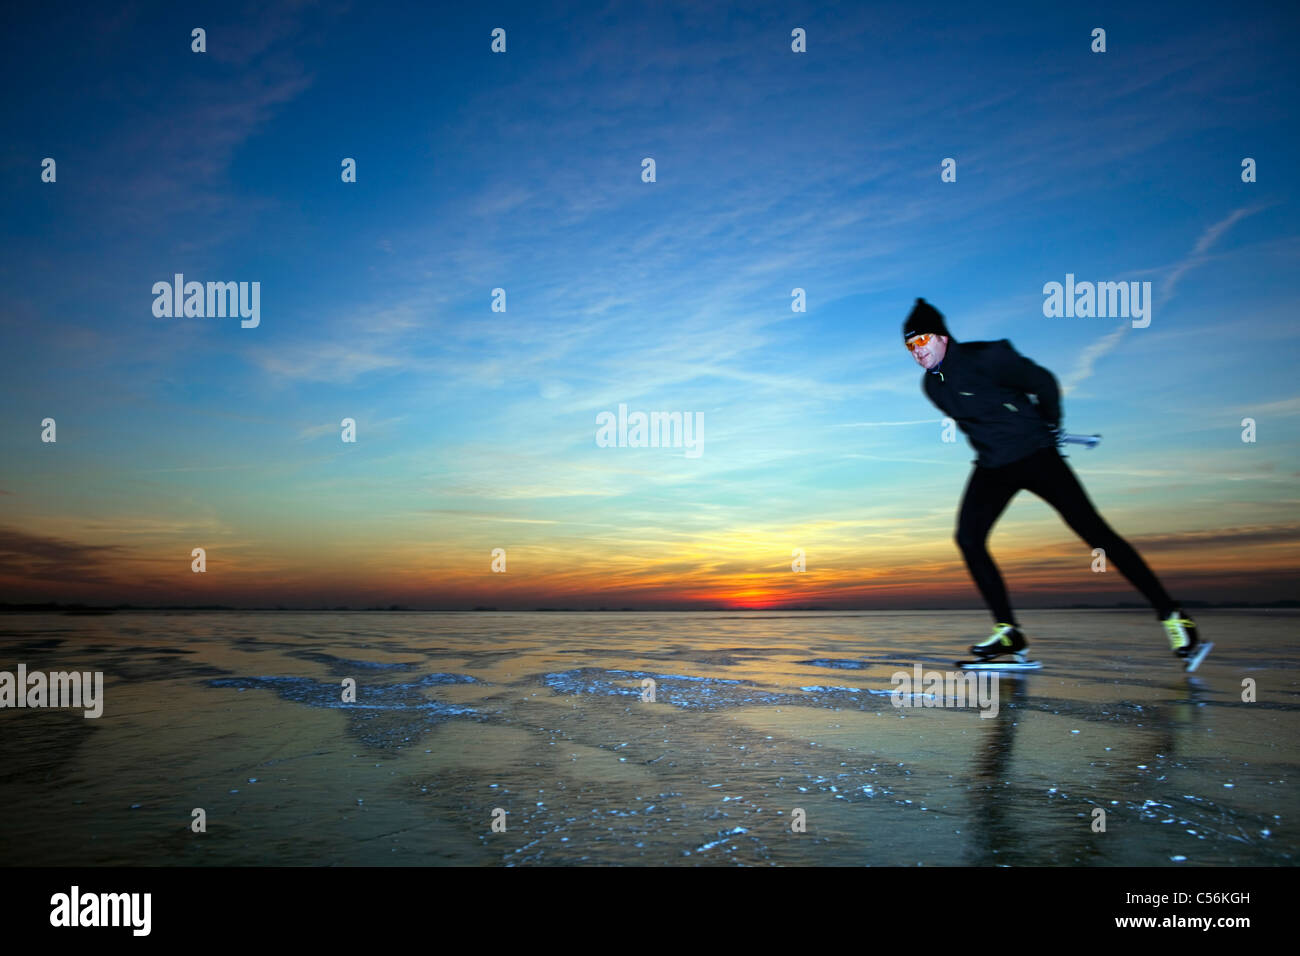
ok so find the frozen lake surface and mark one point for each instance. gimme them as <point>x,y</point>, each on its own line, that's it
<point>757,718</point>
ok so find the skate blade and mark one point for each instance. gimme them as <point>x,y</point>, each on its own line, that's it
<point>1194,661</point>
<point>1011,665</point>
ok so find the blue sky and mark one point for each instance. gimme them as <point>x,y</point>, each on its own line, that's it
<point>522,170</point>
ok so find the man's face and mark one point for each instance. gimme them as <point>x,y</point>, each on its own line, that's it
<point>928,349</point>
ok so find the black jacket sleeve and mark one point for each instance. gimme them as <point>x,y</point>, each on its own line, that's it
<point>1015,370</point>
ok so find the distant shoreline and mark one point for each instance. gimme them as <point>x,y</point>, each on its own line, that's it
<point>90,609</point>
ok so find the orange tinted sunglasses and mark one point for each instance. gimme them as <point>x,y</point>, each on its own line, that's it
<point>918,340</point>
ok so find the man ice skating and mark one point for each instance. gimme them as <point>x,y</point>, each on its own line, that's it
<point>985,387</point>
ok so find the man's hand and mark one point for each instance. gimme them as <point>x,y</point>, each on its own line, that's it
<point>1058,434</point>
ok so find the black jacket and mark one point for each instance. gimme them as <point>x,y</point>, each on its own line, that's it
<point>986,386</point>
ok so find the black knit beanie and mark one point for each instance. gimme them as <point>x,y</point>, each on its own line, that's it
<point>924,318</point>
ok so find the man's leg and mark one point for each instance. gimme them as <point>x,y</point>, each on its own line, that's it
<point>987,494</point>
<point>1054,482</point>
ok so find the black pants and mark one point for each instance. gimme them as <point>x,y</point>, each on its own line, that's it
<point>1045,473</point>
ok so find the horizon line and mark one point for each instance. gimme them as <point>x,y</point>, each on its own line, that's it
<point>38,606</point>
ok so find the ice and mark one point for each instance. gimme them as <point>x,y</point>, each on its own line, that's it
<point>458,715</point>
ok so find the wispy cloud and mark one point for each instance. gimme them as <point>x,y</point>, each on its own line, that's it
<point>919,421</point>
<point>1286,406</point>
<point>1088,357</point>
<point>371,427</point>
<point>337,362</point>
<point>1257,535</point>
<point>1199,254</point>
<point>45,558</point>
